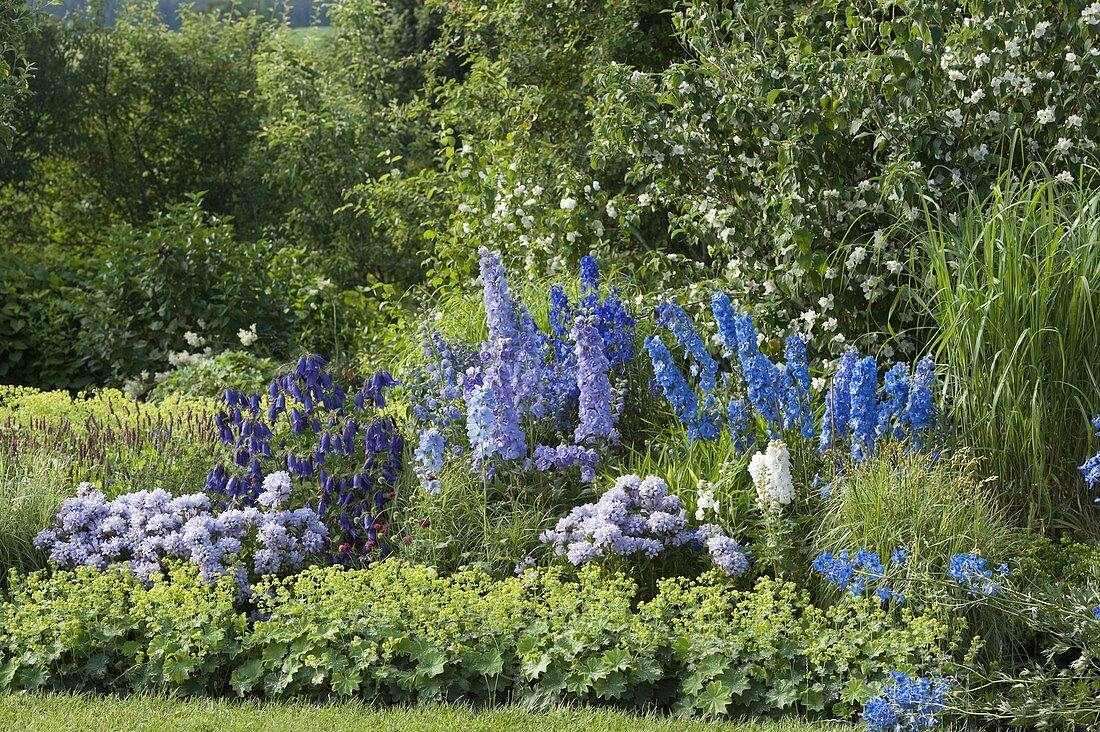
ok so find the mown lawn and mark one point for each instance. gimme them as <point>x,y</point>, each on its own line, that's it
<point>78,713</point>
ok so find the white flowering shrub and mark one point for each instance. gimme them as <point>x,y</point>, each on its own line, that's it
<point>783,135</point>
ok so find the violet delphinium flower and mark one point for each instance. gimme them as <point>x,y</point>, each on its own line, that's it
<point>797,412</point>
<point>594,385</point>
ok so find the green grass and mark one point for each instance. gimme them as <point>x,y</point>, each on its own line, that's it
<point>1011,294</point>
<point>80,713</point>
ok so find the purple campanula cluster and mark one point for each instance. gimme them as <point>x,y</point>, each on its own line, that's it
<point>907,705</point>
<point>342,454</point>
<point>1091,469</point>
<point>596,415</point>
<point>854,574</point>
<point>145,528</point>
<point>638,518</point>
<point>974,573</point>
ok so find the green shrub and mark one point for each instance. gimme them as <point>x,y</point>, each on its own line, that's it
<point>92,630</point>
<point>399,632</point>
<point>1011,294</point>
<point>208,376</point>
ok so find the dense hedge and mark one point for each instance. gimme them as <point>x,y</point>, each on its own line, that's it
<point>400,632</point>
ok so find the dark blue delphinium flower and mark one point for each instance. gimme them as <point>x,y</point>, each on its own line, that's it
<point>863,417</point>
<point>703,366</point>
<point>616,326</point>
<point>973,572</point>
<point>797,412</point>
<point>671,381</point>
<point>724,318</point>
<point>590,281</point>
<point>739,424</point>
<point>1096,612</point>
<point>561,320</point>
<point>834,423</point>
<point>907,705</point>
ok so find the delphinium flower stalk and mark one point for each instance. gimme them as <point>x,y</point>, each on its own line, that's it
<point>920,408</point>
<point>892,418</point>
<point>671,381</point>
<point>797,412</point>
<point>597,420</point>
<point>429,458</point>
<point>703,366</point>
<point>760,375</point>
<point>834,423</point>
<point>863,417</point>
<point>1091,469</point>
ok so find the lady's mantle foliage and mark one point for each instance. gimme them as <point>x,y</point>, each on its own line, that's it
<point>521,378</point>
<point>341,451</point>
<point>638,517</point>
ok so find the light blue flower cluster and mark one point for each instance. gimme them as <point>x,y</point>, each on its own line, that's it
<point>703,367</point>
<point>345,456</point>
<point>1091,468</point>
<point>974,573</point>
<point>638,517</point>
<point>855,573</point>
<point>907,705</point>
<point>144,528</point>
<point>429,458</point>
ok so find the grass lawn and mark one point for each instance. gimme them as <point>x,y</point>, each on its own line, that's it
<point>76,713</point>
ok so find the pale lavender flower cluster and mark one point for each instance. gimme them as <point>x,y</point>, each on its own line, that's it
<point>638,517</point>
<point>567,456</point>
<point>144,528</point>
